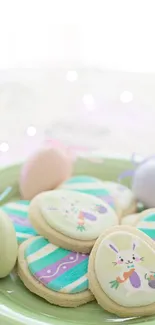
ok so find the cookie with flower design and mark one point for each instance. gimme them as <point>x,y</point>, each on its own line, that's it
<point>70,219</point>
<point>58,275</point>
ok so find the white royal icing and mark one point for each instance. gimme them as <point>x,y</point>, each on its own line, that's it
<point>123,195</point>
<point>77,215</point>
<point>125,269</point>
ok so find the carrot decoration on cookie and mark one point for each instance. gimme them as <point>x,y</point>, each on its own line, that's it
<point>126,275</point>
<point>81,219</point>
<point>81,222</point>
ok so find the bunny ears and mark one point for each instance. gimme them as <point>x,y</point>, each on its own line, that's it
<point>112,246</point>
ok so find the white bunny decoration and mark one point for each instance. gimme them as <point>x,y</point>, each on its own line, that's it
<point>133,275</point>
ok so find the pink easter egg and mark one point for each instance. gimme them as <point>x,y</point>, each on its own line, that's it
<point>44,171</point>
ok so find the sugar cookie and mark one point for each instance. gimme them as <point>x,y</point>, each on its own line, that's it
<point>89,185</point>
<point>123,196</point>
<point>116,195</point>
<point>146,222</point>
<point>55,274</point>
<point>130,219</point>
<point>70,219</point>
<point>18,213</point>
<point>8,245</point>
<point>93,186</point>
<point>121,272</point>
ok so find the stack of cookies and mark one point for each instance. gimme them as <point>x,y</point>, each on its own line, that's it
<point>84,240</point>
<point>56,232</point>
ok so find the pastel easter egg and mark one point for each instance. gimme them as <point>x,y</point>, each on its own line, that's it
<point>143,184</point>
<point>8,245</point>
<point>18,214</point>
<point>44,171</point>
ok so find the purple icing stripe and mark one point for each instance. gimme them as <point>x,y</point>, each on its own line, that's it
<point>20,221</point>
<point>108,199</point>
<point>53,271</point>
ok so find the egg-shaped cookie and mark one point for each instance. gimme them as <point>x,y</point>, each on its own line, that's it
<point>123,196</point>
<point>71,219</point>
<point>146,222</point>
<point>130,219</point>
<point>121,272</point>
<point>58,275</point>
<point>92,186</point>
<point>18,213</point>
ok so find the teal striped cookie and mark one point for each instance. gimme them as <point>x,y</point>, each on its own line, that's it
<point>89,185</point>
<point>146,222</point>
<point>18,213</point>
<point>61,273</point>
<point>118,196</point>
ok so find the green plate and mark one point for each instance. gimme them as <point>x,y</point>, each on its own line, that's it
<point>19,306</point>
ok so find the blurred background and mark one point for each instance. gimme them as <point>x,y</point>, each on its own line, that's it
<point>81,72</point>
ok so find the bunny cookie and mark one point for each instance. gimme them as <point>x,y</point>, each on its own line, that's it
<point>121,272</point>
<point>70,219</point>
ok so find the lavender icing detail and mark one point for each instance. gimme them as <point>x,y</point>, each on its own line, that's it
<point>101,209</point>
<point>135,280</point>
<point>89,216</point>
<point>21,221</point>
<point>108,199</point>
<point>52,271</point>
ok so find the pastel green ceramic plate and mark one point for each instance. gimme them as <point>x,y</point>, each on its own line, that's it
<point>17,305</point>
